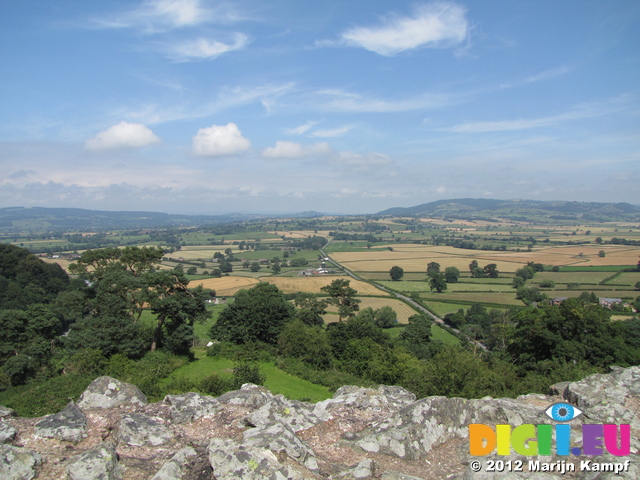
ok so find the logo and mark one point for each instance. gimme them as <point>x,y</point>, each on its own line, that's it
<point>533,440</point>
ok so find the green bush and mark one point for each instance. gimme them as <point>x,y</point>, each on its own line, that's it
<point>215,385</point>
<point>247,373</point>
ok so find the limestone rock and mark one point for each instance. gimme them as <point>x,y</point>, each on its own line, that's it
<point>174,469</point>
<point>352,398</point>
<point>232,461</point>
<point>280,438</point>
<point>296,415</point>
<point>191,406</point>
<point>414,431</point>
<point>365,469</point>
<point>18,463</point>
<point>99,463</point>
<point>6,412</point>
<point>249,395</point>
<point>70,425</point>
<point>140,430</point>
<point>108,392</point>
<point>7,432</point>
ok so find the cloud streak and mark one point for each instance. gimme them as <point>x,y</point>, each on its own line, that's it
<point>205,48</point>
<point>434,25</point>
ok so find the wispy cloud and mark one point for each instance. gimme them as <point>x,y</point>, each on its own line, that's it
<point>283,149</point>
<point>301,129</point>
<point>205,48</point>
<point>579,112</point>
<point>548,74</point>
<point>344,101</point>
<point>433,25</point>
<point>332,132</point>
<point>155,16</point>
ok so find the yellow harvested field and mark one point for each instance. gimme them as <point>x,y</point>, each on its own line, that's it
<point>314,284</point>
<point>403,310</point>
<point>198,252</point>
<point>226,286</point>
<point>420,264</point>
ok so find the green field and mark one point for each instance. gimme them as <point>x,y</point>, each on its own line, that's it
<point>276,381</point>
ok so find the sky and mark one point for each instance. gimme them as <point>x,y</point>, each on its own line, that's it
<point>283,106</point>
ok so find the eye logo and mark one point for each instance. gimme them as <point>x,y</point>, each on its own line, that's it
<point>562,412</point>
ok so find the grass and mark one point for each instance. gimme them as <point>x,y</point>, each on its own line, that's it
<point>277,381</point>
<point>439,333</point>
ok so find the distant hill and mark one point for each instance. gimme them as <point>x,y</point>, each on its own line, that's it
<point>519,209</point>
<point>39,219</point>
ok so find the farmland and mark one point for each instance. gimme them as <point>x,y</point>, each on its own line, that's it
<point>577,257</point>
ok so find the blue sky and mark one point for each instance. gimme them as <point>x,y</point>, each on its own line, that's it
<point>187,106</point>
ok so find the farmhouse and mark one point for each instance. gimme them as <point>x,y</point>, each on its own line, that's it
<point>558,300</point>
<point>608,302</point>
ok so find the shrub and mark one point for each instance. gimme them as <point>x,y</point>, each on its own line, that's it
<point>215,385</point>
<point>247,373</point>
<point>547,284</point>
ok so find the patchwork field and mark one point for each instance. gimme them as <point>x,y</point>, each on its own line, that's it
<point>314,284</point>
<point>226,286</point>
<point>403,310</point>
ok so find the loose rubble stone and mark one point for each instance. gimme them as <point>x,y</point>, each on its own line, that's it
<point>18,463</point>
<point>99,463</point>
<point>108,392</point>
<point>69,424</point>
<point>140,430</point>
<point>191,406</point>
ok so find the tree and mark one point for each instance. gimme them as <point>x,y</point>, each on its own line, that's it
<point>396,273</point>
<point>416,336</point>
<point>438,283</point>
<point>310,309</point>
<point>491,270</point>
<point>473,265</point>
<point>342,296</point>
<point>637,286</point>
<point>478,272</point>
<point>433,268</point>
<point>451,274</point>
<point>258,314</point>
<point>176,307</point>
<point>254,267</point>
<point>601,253</point>
<point>276,268</point>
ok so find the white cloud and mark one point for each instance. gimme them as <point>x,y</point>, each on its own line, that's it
<point>333,132</point>
<point>122,135</point>
<point>301,129</point>
<point>344,101</point>
<point>155,16</point>
<point>203,48</point>
<point>432,25</point>
<point>284,149</point>
<point>219,141</point>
